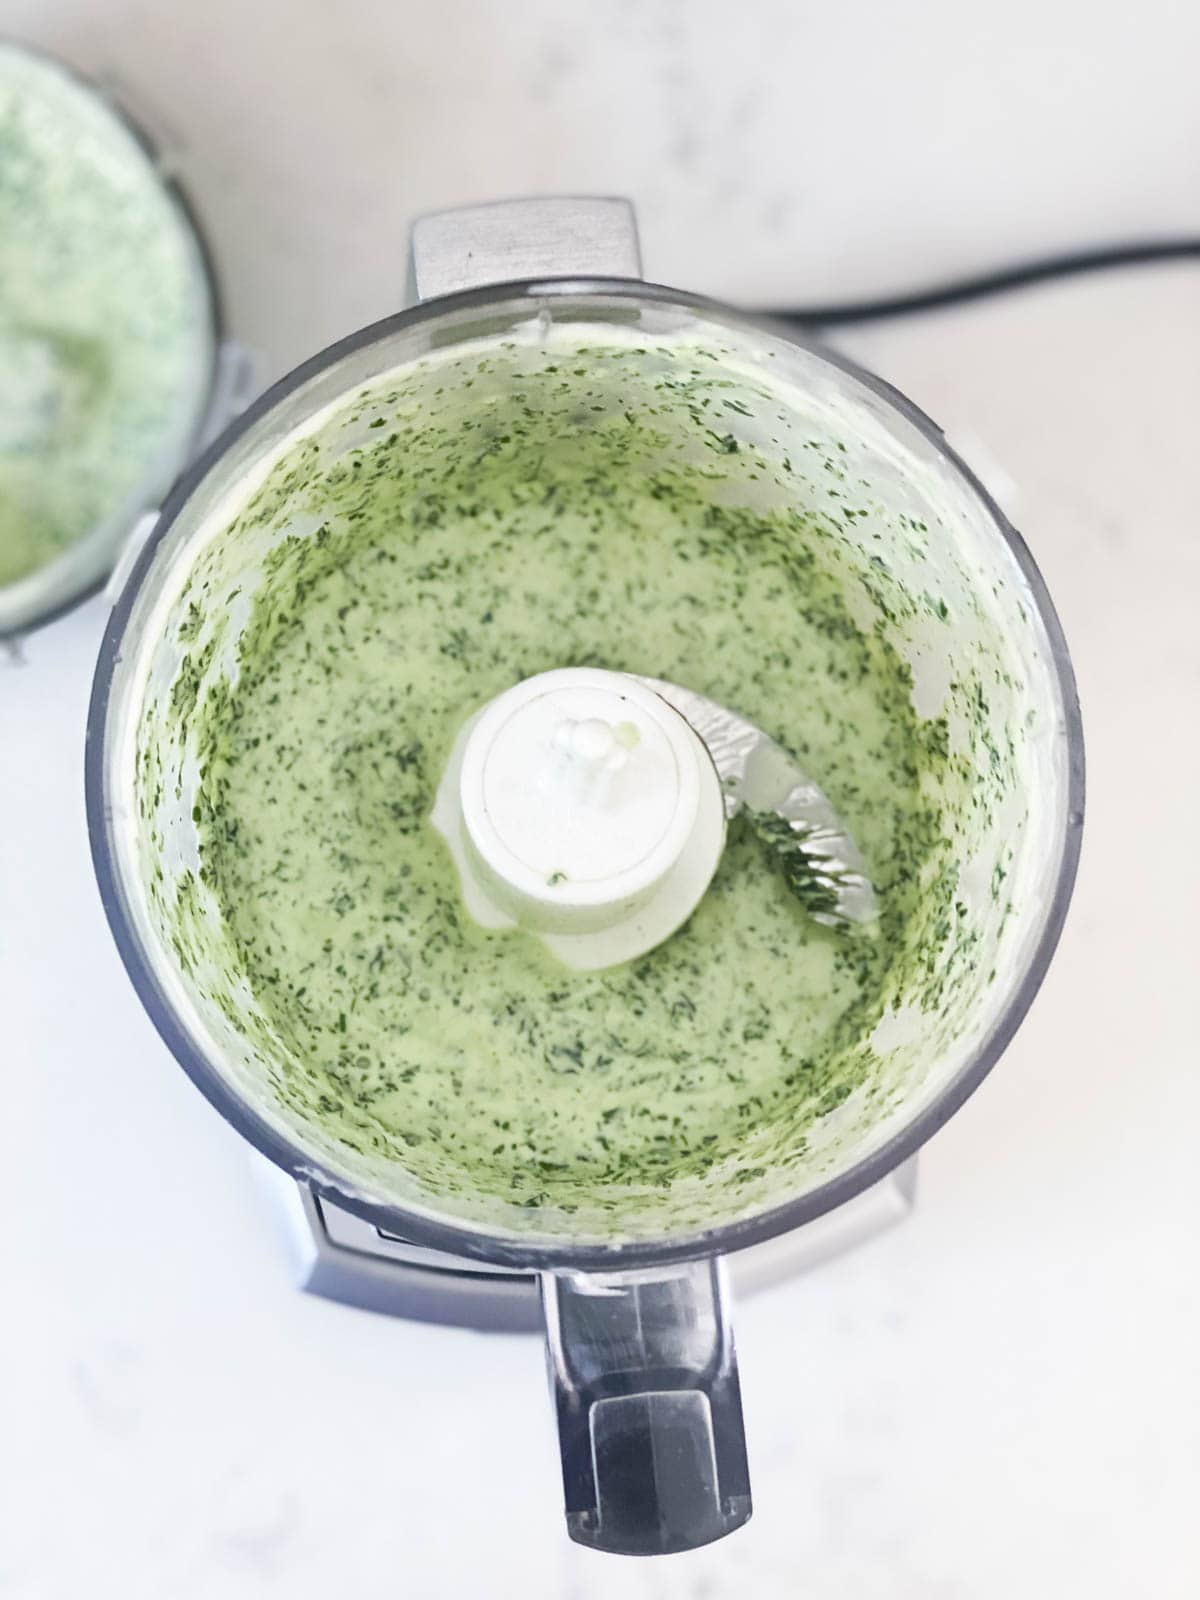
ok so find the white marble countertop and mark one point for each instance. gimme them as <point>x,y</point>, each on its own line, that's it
<point>999,1398</point>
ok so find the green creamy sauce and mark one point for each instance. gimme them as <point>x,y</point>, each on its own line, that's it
<point>105,326</point>
<point>435,568</point>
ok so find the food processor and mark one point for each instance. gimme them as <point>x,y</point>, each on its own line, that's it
<point>637,1315</point>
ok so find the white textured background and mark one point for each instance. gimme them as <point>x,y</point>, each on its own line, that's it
<point>1000,1399</point>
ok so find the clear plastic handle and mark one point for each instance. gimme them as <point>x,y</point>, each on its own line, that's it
<point>649,1409</point>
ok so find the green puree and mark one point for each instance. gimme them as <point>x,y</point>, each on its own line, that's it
<point>431,568</point>
<point>105,326</point>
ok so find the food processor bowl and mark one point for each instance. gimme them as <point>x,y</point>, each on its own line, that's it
<point>640,1351</point>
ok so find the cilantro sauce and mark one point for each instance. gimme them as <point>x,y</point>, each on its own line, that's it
<point>105,321</point>
<point>471,521</point>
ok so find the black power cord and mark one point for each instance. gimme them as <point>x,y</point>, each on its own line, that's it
<point>1001,281</point>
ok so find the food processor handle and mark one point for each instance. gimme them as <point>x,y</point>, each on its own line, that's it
<point>649,1410</point>
<point>554,236</point>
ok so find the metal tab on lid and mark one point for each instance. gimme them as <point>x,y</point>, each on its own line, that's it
<point>795,818</point>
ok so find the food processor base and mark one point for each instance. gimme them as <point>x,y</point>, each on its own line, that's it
<point>339,1256</point>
